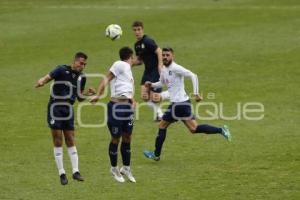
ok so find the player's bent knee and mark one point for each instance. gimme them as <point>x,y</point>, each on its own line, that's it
<point>115,140</point>
<point>145,97</point>
<point>155,97</point>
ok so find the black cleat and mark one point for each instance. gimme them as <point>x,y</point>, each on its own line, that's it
<point>63,179</point>
<point>77,176</point>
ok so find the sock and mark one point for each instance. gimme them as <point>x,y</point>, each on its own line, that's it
<point>165,95</point>
<point>156,108</point>
<point>204,128</point>
<point>161,136</point>
<point>126,153</point>
<point>74,158</point>
<point>58,155</point>
<point>113,154</point>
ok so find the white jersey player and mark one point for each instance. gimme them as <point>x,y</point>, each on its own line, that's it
<point>180,108</point>
<point>120,112</point>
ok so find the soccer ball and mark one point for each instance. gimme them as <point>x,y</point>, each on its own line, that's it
<point>113,31</point>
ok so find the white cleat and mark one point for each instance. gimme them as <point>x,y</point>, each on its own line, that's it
<point>125,170</point>
<point>116,174</point>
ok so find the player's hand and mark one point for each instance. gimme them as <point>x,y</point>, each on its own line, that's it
<point>94,99</point>
<point>148,84</point>
<point>134,104</point>
<point>39,83</point>
<point>91,91</point>
<point>198,98</point>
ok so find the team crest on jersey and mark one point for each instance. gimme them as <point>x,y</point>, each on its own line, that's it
<point>143,46</point>
<point>170,73</point>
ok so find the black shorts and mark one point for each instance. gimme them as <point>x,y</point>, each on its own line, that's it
<point>152,79</point>
<point>179,111</point>
<point>120,118</point>
<point>60,116</point>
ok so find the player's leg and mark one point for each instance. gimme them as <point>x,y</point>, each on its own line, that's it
<point>58,154</point>
<point>159,141</point>
<point>194,127</point>
<point>113,156</point>
<point>155,98</point>
<point>126,156</point>
<point>72,151</point>
<point>145,93</point>
<point>115,129</point>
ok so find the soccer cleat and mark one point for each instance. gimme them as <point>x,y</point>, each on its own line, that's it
<point>127,171</point>
<point>226,133</point>
<point>77,176</point>
<point>117,175</point>
<point>151,155</point>
<point>63,179</point>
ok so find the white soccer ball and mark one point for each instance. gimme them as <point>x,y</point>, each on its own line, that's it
<point>113,31</point>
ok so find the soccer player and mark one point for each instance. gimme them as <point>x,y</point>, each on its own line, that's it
<point>120,112</point>
<point>69,83</point>
<point>172,75</point>
<point>149,53</point>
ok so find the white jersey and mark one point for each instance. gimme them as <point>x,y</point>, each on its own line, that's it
<point>122,84</point>
<point>173,77</point>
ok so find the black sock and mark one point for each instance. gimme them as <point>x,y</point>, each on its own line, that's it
<point>126,153</point>
<point>204,128</point>
<point>160,141</point>
<point>113,154</point>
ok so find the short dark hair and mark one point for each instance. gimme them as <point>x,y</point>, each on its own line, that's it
<point>137,23</point>
<point>125,53</point>
<point>168,49</point>
<point>80,55</point>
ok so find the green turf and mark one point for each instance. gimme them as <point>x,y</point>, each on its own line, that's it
<point>242,50</point>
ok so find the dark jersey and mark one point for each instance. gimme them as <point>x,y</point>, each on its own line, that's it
<point>145,49</point>
<point>67,84</point>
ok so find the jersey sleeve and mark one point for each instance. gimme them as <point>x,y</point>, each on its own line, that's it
<point>116,69</point>
<point>82,82</point>
<point>150,44</point>
<point>54,74</point>
<point>187,73</point>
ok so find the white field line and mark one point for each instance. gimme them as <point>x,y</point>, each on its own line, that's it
<point>169,7</point>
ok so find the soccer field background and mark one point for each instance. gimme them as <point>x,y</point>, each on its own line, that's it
<point>242,50</point>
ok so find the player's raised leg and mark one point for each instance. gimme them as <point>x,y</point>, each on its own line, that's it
<point>126,156</point>
<point>159,141</point>
<point>194,127</point>
<point>58,155</point>
<point>72,151</point>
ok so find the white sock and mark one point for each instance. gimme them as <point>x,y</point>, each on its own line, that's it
<point>165,95</point>
<point>74,158</point>
<point>159,111</point>
<point>156,108</point>
<point>58,155</point>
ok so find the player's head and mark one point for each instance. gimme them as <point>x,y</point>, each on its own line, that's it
<point>125,53</point>
<point>167,56</point>
<point>138,29</point>
<point>79,61</point>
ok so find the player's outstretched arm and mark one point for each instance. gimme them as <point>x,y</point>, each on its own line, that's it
<point>102,87</point>
<point>187,73</point>
<point>42,81</point>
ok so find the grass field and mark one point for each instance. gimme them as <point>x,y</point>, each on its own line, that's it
<point>242,50</point>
